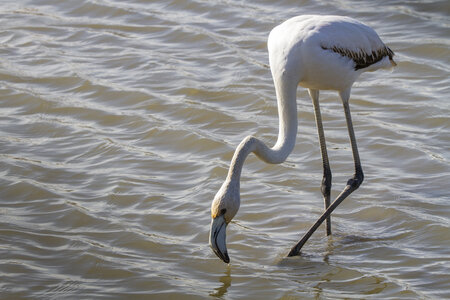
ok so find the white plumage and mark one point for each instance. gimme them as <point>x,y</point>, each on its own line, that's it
<point>308,43</point>
<point>318,53</point>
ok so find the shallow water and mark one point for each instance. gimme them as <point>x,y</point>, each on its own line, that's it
<point>118,120</point>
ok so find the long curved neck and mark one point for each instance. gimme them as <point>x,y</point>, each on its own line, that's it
<point>287,113</point>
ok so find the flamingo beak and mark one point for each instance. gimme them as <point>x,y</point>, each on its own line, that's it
<point>217,237</point>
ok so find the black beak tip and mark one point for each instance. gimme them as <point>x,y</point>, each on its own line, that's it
<point>226,258</point>
<point>223,256</point>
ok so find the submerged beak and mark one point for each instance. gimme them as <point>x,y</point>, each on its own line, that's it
<point>217,238</point>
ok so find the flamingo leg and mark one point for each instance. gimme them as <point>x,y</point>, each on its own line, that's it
<point>358,177</point>
<point>352,184</point>
<point>326,180</point>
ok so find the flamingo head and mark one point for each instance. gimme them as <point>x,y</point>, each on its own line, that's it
<point>223,208</point>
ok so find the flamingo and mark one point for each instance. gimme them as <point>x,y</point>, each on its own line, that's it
<point>318,53</point>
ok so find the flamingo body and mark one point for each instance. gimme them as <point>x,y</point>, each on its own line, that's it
<point>325,51</point>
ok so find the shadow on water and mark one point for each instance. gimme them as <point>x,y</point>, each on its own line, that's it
<point>308,267</point>
<point>301,264</point>
<point>219,292</point>
<point>317,273</point>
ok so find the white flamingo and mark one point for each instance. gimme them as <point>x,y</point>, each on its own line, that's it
<point>318,53</point>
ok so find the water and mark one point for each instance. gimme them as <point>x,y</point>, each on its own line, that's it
<point>118,122</point>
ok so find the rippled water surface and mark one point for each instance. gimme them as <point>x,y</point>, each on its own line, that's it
<point>118,120</point>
